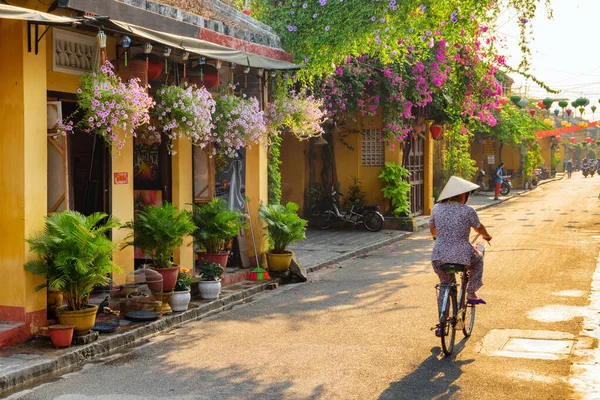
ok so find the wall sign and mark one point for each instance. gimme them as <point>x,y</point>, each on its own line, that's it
<point>491,159</point>
<point>121,178</point>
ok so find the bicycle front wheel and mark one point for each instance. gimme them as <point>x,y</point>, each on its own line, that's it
<point>448,322</point>
<point>373,221</point>
<point>468,319</point>
<point>326,220</point>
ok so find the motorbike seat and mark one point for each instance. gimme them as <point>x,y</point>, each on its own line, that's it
<point>455,267</point>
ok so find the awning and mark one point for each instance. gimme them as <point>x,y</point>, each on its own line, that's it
<point>12,12</point>
<point>206,49</point>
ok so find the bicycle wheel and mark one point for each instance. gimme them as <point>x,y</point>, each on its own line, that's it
<point>448,322</point>
<point>373,221</point>
<point>326,220</point>
<point>468,319</point>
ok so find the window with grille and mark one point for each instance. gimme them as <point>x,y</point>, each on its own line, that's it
<point>373,148</point>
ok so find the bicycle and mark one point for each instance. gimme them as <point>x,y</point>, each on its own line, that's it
<point>370,216</point>
<point>464,317</point>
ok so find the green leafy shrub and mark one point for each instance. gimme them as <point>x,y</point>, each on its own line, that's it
<point>214,224</point>
<point>283,224</point>
<point>397,187</point>
<point>158,231</point>
<point>356,196</point>
<point>274,172</point>
<point>211,271</point>
<point>74,253</point>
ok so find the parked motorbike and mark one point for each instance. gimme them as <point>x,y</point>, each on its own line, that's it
<point>506,186</point>
<point>543,173</point>
<point>585,171</point>
<point>486,185</point>
<point>370,216</point>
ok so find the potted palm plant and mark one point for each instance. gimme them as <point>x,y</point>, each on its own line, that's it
<point>181,297</point>
<point>284,227</point>
<point>75,255</point>
<point>210,280</point>
<point>158,231</point>
<point>215,224</point>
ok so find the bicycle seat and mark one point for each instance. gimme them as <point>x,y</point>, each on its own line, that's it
<point>455,267</point>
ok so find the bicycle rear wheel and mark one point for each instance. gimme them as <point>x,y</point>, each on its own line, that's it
<point>373,221</point>
<point>326,220</point>
<point>468,319</point>
<point>448,322</point>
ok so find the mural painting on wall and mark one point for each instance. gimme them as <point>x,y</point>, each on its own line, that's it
<point>230,179</point>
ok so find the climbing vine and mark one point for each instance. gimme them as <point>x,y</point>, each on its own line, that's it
<point>458,160</point>
<point>273,169</point>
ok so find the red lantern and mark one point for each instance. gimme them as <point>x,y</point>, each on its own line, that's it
<point>572,139</point>
<point>155,65</point>
<point>588,140</point>
<point>541,104</point>
<point>204,75</point>
<point>498,109</point>
<point>532,112</point>
<point>504,100</point>
<point>569,111</point>
<point>436,131</point>
<point>557,137</point>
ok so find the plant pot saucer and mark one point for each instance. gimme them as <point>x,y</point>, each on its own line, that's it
<point>142,316</point>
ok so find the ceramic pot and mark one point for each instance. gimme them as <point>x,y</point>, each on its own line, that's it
<point>279,262</point>
<point>180,300</point>
<point>209,290</point>
<point>218,258</point>
<point>169,277</point>
<point>61,335</point>
<point>83,320</point>
<point>54,300</point>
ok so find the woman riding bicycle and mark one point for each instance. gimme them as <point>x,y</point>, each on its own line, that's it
<point>450,224</point>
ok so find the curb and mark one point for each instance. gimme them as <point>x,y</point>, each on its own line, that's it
<point>354,253</point>
<point>47,368</point>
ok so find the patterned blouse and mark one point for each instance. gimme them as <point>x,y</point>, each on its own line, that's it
<point>453,222</point>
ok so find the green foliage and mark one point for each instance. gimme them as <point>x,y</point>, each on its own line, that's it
<point>184,281</point>
<point>397,187</point>
<point>273,169</point>
<point>211,271</point>
<point>315,199</point>
<point>214,224</point>
<point>555,161</point>
<point>74,253</point>
<point>532,160</point>
<point>458,160</point>
<point>514,126</point>
<point>283,224</point>
<point>158,231</point>
<point>356,196</point>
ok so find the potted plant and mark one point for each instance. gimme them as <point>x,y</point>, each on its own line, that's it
<point>158,231</point>
<point>61,335</point>
<point>181,298</point>
<point>215,223</point>
<point>75,255</point>
<point>210,280</point>
<point>284,227</point>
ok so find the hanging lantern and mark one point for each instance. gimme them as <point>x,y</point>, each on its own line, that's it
<point>125,43</point>
<point>202,61</point>
<point>101,38</point>
<point>569,111</point>
<point>540,104</point>
<point>572,139</point>
<point>166,54</point>
<point>219,64</point>
<point>557,137</point>
<point>273,74</point>
<point>563,104</point>
<point>147,51</point>
<point>515,99</point>
<point>547,102</point>
<point>588,140</point>
<point>185,57</point>
<point>232,65</point>
<point>498,109</point>
<point>532,112</point>
<point>436,131</point>
<point>522,103</point>
<point>556,111</point>
<point>581,110</point>
<point>204,75</point>
<point>504,100</point>
<point>154,65</point>
<point>261,72</point>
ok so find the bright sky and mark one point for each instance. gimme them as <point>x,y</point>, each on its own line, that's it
<point>565,50</point>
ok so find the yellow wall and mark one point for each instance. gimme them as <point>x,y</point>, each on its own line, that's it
<point>257,192</point>
<point>182,195</point>
<point>294,162</point>
<point>23,162</point>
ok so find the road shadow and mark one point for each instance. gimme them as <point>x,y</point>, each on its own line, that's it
<point>434,378</point>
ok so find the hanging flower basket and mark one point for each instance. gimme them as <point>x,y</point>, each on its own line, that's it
<point>109,107</point>
<point>185,112</point>
<point>296,113</point>
<point>238,121</point>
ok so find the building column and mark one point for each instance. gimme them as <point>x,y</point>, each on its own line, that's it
<point>23,177</point>
<point>121,193</point>
<point>428,172</point>
<point>257,193</point>
<point>183,196</point>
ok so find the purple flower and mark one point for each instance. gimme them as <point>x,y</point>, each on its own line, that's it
<point>373,18</point>
<point>454,18</point>
<point>394,52</point>
<point>315,15</point>
<point>290,28</point>
<point>383,20</point>
<point>411,30</point>
<point>327,28</point>
<point>428,33</point>
<point>304,5</point>
<point>323,2</point>
<point>423,38</point>
<point>377,31</point>
<point>422,8</point>
<point>292,12</point>
<point>306,59</point>
<point>524,20</point>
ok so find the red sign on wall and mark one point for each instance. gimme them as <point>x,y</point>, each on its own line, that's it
<point>121,178</point>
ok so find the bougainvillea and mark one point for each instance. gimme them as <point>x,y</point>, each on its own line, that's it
<point>302,115</point>
<point>185,111</point>
<point>238,122</point>
<point>109,107</point>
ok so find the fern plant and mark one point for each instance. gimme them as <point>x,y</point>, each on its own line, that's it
<point>74,253</point>
<point>214,224</point>
<point>397,187</point>
<point>158,231</point>
<point>283,224</point>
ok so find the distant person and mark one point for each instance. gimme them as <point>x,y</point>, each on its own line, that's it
<point>498,179</point>
<point>569,168</point>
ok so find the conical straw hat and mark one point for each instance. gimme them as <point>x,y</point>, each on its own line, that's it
<point>456,186</point>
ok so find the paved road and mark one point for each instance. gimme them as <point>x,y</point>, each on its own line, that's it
<point>361,330</point>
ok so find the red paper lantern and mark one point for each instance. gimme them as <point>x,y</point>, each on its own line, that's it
<point>572,139</point>
<point>498,109</point>
<point>557,137</point>
<point>541,104</point>
<point>209,74</point>
<point>155,65</point>
<point>569,111</point>
<point>504,100</point>
<point>588,140</point>
<point>532,112</point>
<point>436,131</point>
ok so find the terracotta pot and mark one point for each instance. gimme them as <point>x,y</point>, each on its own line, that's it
<point>169,277</point>
<point>209,290</point>
<point>180,300</point>
<point>219,258</point>
<point>279,262</point>
<point>83,320</point>
<point>61,335</point>
<point>54,300</point>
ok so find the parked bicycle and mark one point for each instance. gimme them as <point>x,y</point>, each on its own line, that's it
<point>455,312</point>
<point>370,216</point>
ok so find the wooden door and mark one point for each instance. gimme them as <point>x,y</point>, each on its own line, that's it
<point>416,166</point>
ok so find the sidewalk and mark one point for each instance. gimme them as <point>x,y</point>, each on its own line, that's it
<point>32,362</point>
